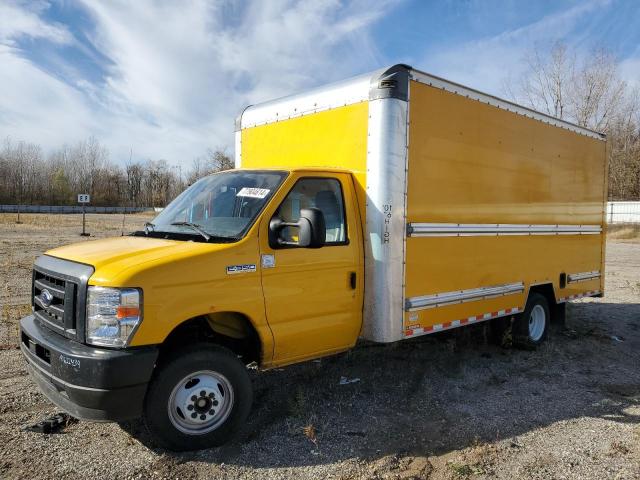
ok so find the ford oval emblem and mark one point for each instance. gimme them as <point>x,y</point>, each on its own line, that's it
<point>46,297</point>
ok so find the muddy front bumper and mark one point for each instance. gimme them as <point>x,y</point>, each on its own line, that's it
<point>87,382</point>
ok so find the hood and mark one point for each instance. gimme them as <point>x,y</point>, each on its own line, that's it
<point>112,257</point>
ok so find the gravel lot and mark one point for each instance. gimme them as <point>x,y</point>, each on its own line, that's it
<point>446,406</point>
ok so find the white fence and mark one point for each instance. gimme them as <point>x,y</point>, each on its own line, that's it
<point>623,212</point>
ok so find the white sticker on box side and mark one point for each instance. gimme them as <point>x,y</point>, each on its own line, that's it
<point>253,192</point>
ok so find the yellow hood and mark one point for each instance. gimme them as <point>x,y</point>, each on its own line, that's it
<point>112,257</point>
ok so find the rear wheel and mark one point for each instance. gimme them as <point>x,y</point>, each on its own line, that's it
<point>198,398</point>
<point>531,328</point>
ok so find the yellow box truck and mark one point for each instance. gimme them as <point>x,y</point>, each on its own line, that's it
<point>388,206</point>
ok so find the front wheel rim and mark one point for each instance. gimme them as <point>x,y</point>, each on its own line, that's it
<point>200,402</point>
<point>537,323</point>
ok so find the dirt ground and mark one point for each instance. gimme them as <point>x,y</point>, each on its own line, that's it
<point>441,406</point>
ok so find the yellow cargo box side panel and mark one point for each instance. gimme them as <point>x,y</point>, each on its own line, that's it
<point>334,138</point>
<point>472,164</point>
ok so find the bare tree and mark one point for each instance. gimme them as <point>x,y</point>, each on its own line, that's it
<point>22,175</point>
<point>212,162</point>
<point>597,92</point>
<point>134,173</point>
<point>546,81</point>
<point>219,160</point>
<point>623,129</point>
<point>88,158</point>
<point>198,170</point>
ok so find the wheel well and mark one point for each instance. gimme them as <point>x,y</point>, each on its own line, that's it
<point>229,329</point>
<point>555,309</point>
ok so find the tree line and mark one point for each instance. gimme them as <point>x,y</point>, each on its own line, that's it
<point>28,176</point>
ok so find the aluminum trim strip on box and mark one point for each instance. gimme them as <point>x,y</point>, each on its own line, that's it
<point>460,296</point>
<point>460,229</point>
<point>582,276</point>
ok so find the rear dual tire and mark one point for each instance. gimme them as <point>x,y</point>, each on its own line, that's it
<point>530,329</point>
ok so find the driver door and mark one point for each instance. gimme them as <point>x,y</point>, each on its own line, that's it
<point>313,296</point>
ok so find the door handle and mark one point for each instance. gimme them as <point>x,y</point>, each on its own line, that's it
<point>352,280</point>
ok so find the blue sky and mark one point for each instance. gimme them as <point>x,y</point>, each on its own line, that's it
<point>166,79</point>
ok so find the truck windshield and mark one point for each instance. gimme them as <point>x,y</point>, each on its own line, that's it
<point>220,207</point>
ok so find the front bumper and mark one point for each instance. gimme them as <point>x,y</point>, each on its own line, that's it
<point>90,383</point>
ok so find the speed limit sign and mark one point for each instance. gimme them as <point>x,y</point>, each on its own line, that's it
<point>84,198</point>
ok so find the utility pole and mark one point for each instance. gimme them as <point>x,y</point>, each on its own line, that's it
<point>19,202</point>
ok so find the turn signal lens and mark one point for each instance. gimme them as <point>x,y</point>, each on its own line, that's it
<point>125,312</point>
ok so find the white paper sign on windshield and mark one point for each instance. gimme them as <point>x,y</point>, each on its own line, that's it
<point>253,192</point>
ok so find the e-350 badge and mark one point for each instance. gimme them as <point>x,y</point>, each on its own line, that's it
<point>246,268</point>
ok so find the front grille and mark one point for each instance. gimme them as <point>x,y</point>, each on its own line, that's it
<point>54,301</point>
<point>62,309</point>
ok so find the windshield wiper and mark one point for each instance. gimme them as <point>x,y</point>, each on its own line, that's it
<point>193,226</point>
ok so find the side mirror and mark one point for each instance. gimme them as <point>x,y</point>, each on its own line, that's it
<point>311,227</point>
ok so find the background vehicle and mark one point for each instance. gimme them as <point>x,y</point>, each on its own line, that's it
<point>388,206</point>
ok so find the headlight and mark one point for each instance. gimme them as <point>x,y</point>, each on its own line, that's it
<point>112,315</point>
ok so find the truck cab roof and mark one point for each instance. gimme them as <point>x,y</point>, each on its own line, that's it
<point>300,169</point>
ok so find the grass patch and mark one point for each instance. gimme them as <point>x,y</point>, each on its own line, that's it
<point>623,232</point>
<point>464,470</point>
<point>298,404</point>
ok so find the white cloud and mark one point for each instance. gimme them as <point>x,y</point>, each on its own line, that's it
<point>16,21</point>
<point>37,107</point>
<point>179,72</point>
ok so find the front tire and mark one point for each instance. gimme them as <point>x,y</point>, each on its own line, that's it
<point>198,398</point>
<point>531,328</point>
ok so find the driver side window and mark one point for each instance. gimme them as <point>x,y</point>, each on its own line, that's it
<point>322,193</point>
